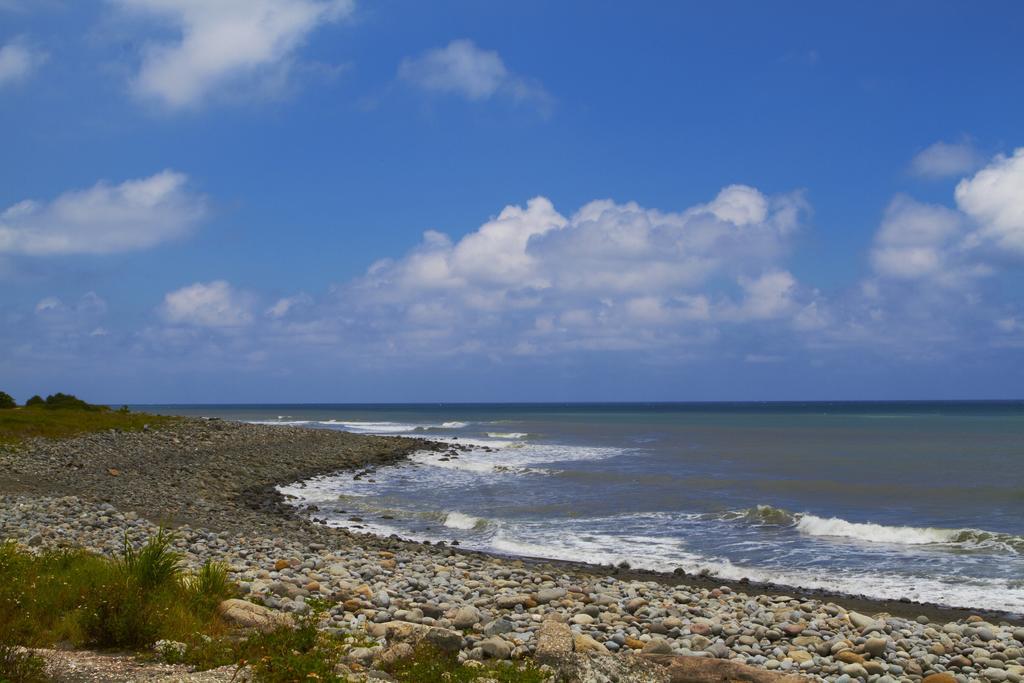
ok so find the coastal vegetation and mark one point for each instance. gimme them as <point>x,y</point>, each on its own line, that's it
<point>78,598</point>
<point>145,602</point>
<point>62,415</point>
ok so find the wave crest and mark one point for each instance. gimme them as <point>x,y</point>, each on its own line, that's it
<point>836,527</point>
<point>458,520</point>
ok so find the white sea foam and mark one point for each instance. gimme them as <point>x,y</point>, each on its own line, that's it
<point>593,540</point>
<point>458,520</point>
<point>373,427</point>
<point>507,435</point>
<point>812,525</point>
<point>280,422</point>
<point>383,427</point>
<point>496,456</point>
<point>664,554</point>
<point>978,540</point>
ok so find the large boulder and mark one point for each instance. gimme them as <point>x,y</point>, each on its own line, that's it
<point>465,617</point>
<point>248,615</point>
<point>510,601</point>
<point>436,637</point>
<point>686,669</point>
<point>581,667</point>
<point>554,641</point>
<point>558,648</point>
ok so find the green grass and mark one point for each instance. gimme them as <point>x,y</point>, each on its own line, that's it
<point>18,424</point>
<point>428,665</point>
<point>71,596</point>
<point>88,600</point>
<point>305,653</point>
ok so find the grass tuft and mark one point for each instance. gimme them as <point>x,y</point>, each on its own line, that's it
<point>154,565</point>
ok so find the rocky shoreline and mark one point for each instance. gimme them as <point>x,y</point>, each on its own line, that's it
<point>214,481</point>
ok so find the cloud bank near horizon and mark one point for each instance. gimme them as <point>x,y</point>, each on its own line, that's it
<point>708,281</point>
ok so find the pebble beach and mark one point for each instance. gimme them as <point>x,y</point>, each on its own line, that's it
<point>215,483</point>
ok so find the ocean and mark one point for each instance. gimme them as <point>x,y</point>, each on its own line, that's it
<point>918,500</point>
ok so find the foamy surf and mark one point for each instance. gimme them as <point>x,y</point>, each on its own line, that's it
<point>667,555</point>
<point>530,487</point>
<point>611,540</point>
<point>458,520</point>
<point>870,532</point>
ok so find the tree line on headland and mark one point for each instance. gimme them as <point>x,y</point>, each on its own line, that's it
<point>58,400</point>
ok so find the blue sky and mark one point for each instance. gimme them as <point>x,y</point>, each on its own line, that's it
<point>334,200</point>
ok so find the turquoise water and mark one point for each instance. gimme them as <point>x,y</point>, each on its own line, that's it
<point>917,500</point>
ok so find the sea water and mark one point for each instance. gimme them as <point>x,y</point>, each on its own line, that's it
<point>918,500</point>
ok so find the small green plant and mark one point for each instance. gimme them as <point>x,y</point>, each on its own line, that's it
<point>210,586</point>
<point>428,664</point>
<point>7,401</point>
<point>153,566</point>
<point>296,654</point>
<point>18,666</point>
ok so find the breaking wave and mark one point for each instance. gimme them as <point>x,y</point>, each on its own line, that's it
<point>835,527</point>
<point>458,520</point>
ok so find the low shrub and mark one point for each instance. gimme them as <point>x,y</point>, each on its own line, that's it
<point>7,401</point>
<point>64,401</point>
<point>72,595</point>
<point>428,665</point>
<point>36,400</point>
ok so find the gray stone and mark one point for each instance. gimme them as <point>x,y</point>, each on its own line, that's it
<point>546,595</point>
<point>465,617</point>
<point>247,615</point>
<point>876,646</point>
<point>657,646</point>
<point>498,627</point>
<point>496,648</point>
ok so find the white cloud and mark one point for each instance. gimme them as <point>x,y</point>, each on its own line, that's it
<point>213,304</point>
<point>286,305</point>
<point>104,219</point>
<point>610,276</point>
<point>943,160</point>
<point>18,60</point>
<point>225,43</point>
<point>604,248</point>
<point>994,198</point>
<point>915,240</point>
<point>768,296</point>
<point>462,68</point>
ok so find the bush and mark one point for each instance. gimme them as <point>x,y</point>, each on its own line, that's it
<point>7,401</point>
<point>90,600</point>
<point>36,400</point>
<point>60,400</point>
